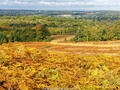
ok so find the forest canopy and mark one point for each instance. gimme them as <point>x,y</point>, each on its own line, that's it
<point>22,28</point>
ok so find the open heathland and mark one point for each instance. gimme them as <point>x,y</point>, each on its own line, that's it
<point>27,67</point>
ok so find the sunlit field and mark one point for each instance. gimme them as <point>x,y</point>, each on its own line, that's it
<point>78,66</point>
<point>50,51</point>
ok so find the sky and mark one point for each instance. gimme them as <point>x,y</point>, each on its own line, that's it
<point>61,4</point>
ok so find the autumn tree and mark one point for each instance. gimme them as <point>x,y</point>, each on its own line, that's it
<point>42,32</point>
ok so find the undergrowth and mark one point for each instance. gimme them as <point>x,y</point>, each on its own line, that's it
<point>26,68</point>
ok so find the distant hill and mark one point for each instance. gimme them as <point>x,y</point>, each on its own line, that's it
<point>17,12</point>
<point>95,15</point>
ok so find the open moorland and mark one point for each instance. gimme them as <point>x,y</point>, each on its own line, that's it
<point>58,52</point>
<point>65,65</point>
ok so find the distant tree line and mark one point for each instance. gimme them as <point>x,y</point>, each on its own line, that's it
<point>39,28</point>
<point>98,33</point>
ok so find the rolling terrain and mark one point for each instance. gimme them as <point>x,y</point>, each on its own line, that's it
<point>59,44</point>
<point>60,64</point>
<point>59,50</point>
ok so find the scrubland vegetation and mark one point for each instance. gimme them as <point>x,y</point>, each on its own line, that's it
<point>28,68</point>
<point>29,60</point>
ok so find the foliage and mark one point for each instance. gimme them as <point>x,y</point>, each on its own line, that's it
<point>25,35</point>
<point>98,32</point>
<point>28,68</point>
<point>39,28</point>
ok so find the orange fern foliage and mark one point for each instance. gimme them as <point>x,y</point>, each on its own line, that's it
<point>28,68</point>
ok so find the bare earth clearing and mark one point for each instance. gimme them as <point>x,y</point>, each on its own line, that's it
<point>83,48</point>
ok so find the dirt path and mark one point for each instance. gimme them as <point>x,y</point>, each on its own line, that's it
<point>89,44</point>
<point>84,48</point>
<point>60,40</point>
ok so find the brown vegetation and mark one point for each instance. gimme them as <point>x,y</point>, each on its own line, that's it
<point>37,67</point>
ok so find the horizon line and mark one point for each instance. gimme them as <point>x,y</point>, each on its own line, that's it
<point>59,9</point>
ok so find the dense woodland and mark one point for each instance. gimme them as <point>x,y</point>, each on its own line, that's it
<point>22,28</point>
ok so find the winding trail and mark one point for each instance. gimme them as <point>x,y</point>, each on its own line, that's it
<point>60,40</point>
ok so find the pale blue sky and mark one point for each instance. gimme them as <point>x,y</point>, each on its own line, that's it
<point>61,4</point>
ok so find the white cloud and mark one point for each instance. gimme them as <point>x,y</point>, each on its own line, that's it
<point>60,3</point>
